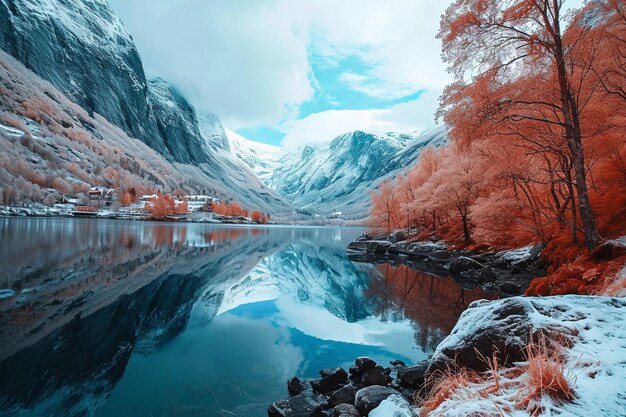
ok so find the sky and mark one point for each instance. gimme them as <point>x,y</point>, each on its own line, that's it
<point>294,72</point>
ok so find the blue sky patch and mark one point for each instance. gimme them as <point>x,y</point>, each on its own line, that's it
<point>333,92</point>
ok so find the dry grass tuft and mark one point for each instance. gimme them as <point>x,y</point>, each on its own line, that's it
<point>442,385</point>
<point>523,387</point>
<point>547,376</point>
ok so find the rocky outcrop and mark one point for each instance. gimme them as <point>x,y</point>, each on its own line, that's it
<point>331,380</point>
<point>367,399</point>
<point>295,386</point>
<point>588,330</point>
<point>412,376</point>
<point>584,332</point>
<point>306,404</point>
<point>336,395</point>
<point>508,273</point>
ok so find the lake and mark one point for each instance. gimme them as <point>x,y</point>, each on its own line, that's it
<point>112,318</point>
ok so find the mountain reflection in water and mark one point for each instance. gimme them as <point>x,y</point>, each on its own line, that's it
<point>112,318</point>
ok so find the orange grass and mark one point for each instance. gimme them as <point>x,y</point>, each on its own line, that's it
<point>547,376</point>
<point>443,384</point>
<point>543,375</point>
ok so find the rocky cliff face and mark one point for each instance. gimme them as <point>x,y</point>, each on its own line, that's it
<point>82,48</point>
<point>177,123</point>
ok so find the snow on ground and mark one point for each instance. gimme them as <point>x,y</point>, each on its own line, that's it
<point>517,255</point>
<point>620,241</point>
<point>11,131</point>
<point>618,286</point>
<point>595,365</point>
<point>34,209</point>
<point>427,245</point>
<point>394,406</point>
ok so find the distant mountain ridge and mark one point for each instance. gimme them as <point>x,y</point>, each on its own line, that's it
<point>336,177</point>
<point>261,158</point>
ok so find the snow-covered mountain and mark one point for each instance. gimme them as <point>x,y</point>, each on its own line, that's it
<point>261,158</point>
<point>83,49</point>
<point>337,177</point>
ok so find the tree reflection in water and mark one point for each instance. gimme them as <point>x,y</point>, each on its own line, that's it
<point>434,304</point>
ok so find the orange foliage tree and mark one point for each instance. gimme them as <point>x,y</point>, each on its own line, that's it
<point>228,209</point>
<point>161,206</point>
<point>528,77</point>
<point>538,146</point>
<point>127,196</point>
<point>258,217</point>
<point>182,207</point>
<point>386,206</point>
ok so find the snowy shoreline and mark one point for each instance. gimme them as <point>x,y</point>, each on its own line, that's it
<point>593,361</point>
<point>47,212</point>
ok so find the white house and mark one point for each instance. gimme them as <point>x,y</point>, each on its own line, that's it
<point>196,202</point>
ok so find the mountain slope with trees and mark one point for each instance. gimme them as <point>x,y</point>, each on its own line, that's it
<point>83,49</point>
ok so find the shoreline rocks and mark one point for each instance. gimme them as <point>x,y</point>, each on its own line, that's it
<point>503,327</point>
<point>508,273</point>
<point>335,394</point>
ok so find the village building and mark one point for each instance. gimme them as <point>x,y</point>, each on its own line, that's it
<point>196,202</point>
<point>101,196</point>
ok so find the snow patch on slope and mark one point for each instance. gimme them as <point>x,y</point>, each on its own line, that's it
<point>261,158</point>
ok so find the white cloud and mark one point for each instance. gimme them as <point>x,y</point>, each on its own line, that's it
<point>248,61</point>
<point>322,127</point>
<point>395,37</point>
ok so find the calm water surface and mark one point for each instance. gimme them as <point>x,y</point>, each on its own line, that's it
<point>110,318</point>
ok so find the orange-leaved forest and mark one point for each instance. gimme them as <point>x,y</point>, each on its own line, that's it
<point>538,141</point>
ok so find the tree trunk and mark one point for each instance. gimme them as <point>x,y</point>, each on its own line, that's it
<point>592,236</point>
<point>466,233</point>
<point>573,137</point>
<point>434,222</point>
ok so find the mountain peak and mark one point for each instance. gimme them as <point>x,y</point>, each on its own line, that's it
<point>337,176</point>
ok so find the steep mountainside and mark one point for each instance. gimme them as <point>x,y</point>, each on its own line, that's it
<point>177,123</point>
<point>336,177</point>
<point>234,174</point>
<point>82,48</point>
<point>49,145</point>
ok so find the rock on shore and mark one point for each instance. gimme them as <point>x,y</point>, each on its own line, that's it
<point>596,355</point>
<point>508,273</point>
